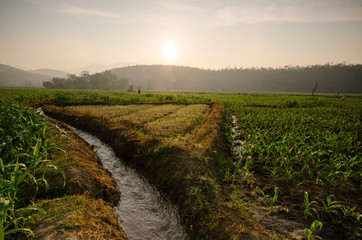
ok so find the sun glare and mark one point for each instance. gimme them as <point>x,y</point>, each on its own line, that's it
<point>170,51</point>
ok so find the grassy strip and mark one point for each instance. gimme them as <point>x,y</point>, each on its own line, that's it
<point>77,217</point>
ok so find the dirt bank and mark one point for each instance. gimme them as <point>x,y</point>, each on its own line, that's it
<point>84,207</point>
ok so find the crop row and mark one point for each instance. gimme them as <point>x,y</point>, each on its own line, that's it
<point>23,162</point>
<point>323,143</point>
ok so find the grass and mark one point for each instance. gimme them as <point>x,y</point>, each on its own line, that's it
<point>76,216</point>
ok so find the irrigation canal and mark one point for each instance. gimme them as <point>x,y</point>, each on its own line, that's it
<point>143,212</point>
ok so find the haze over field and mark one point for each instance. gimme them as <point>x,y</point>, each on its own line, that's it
<point>66,35</point>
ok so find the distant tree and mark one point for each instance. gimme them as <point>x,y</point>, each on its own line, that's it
<point>80,83</point>
<point>131,89</point>
<point>48,85</point>
<point>61,83</point>
<point>84,74</point>
<point>98,81</point>
<point>315,87</point>
<point>71,77</point>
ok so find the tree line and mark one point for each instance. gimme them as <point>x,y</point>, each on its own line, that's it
<point>103,81</point>
<point>329,78</point>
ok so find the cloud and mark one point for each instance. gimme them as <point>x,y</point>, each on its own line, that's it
<point>258,11</point>
<point>87,12</point>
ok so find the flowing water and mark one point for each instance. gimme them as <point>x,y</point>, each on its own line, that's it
<point>143,212</point>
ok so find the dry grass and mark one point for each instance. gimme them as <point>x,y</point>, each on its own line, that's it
<point>109,111</point>
<point>181,122</point>
<point>77,217</point>
<point>150,114</point>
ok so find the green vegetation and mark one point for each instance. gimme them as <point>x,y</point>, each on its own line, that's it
<point>311,143</point>
<point>102,81</point>
<point>309,232</point>
<point>302,152</point>
<point>23,164</point>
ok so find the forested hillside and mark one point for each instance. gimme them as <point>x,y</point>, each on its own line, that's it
<point>329,78</point>
<point>338,78</point>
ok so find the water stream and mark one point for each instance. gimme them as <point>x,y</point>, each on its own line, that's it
<point>143,212</point>
<point>239,145</point>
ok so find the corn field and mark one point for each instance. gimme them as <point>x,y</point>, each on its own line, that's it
<point>23,163</point>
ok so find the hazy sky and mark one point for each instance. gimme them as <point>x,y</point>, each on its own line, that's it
<point>66,34</point>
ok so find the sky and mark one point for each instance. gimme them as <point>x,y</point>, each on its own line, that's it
<point>210,34</point>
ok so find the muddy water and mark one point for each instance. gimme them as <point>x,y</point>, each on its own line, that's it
<point>143,212</point>
<point>238,145</point>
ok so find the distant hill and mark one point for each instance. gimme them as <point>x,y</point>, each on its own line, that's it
<point>339,78</point>
<point>97,68</point>
<point>50,72</point>
<point>14,77</point>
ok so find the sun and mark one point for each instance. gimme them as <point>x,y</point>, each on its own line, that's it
<point>170,51</point>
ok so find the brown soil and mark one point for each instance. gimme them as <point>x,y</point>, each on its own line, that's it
<point>84,207</point>
<point>288,218</point>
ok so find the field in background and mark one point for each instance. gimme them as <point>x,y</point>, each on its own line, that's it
<point>298,159</point>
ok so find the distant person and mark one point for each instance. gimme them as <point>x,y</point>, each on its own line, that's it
<point>139,91</point>
<point>342,98</point>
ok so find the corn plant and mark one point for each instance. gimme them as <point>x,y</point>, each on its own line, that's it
<point>23,163</point>
<point>359,218</point>
<point>9,218</point>
<point>330,204</point>
<point>309,232</point>
<point>308,207</point>
<point>321,142</point>
<point>271,200</point>
<point>347,211</point>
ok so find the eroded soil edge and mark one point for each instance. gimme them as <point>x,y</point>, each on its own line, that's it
<point>84,207</point>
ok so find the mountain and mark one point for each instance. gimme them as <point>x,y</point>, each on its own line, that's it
<point>50,72</point>
<point>96,68</point>
<point>14,77</point>
<point>339,78</point>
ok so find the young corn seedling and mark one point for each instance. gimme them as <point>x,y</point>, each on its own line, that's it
<point>309,231</point>
<point>331,204</point>
<point>347,211</point>
<point>359,218</point>
<point>271,200</point>
<point>308,207</point>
